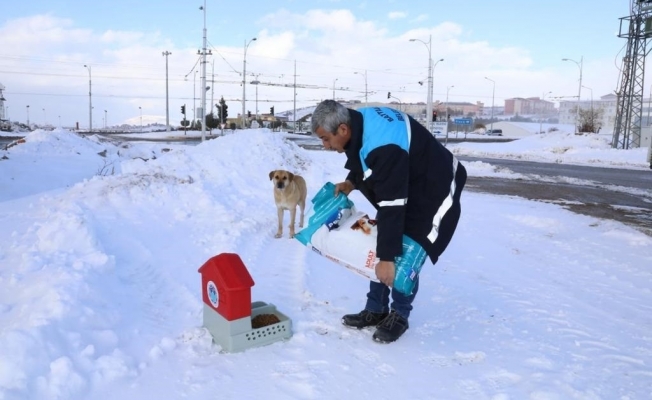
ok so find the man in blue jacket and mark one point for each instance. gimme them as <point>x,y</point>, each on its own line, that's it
<point>415,185</point>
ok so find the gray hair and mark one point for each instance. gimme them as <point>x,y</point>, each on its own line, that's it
<point>329,114</point>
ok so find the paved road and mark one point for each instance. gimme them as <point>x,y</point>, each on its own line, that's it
<point>641,179</point>
<point>623,195</point>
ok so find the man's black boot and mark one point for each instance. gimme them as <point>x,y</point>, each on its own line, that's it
<point>363,319</point>
<point>391,328</point>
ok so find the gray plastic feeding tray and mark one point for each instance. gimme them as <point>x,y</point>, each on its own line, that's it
<point>238,335</point>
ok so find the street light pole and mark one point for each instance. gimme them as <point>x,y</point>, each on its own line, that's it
<point>334,87</point>
<point>579,92</point>
<point>244,81</point>
<point>90,101</point>
<point>493,94</point>
<point>447,90</point>
<point>586,87</point>
<point>28,116</point>
<point>45,118</point>
<point>167,97</point>
<point>366,103</point>
<point>141,119</point>
<point>432,82</point>
<point>194,98</point>
<point>106,121</point>
<point>431,69</point>
<point>256,82</point>
<point>543,98</point>
<point>592,116</point>
<point>400,103</point>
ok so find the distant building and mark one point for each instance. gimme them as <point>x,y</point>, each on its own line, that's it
<point>607,103</point>
<point>418,110</point>
<point>529,106</point>
<point>459,108</point>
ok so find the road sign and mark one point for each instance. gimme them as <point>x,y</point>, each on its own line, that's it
<point>439,128</point>
<point>462,121</point>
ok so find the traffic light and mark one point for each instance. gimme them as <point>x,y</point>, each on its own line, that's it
<point>389,94</point>
<point>434,115</point>
<point>183,109</point>
<point>271,110</point>
<point>248,114</point>
<point>219,112</point>
<point>223,110</point>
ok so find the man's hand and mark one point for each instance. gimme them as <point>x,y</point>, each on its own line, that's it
<point>385,271</point>
<point>345,187</point>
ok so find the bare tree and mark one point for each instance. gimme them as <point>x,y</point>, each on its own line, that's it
<point>590,119</point>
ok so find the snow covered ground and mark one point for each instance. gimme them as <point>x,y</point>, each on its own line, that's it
<point>100,297</point>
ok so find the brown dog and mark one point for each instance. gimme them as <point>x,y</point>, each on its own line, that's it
<point>289,192</point>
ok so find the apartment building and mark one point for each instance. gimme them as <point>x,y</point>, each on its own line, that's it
<point>607,103</point>
<point>459,108</point>
<point>529,106</point>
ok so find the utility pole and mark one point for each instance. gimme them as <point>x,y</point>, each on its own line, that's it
<point>629,109</point>
<point>167,97</point>
<point>649,105</point>
<point>213,84</point>
<point>90,101</point>
<point>334,87</point>
<point>194,98</point>
<point>203,80</point>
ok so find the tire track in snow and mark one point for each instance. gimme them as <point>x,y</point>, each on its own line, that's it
<point>151,290</point>
<point>277,267</point>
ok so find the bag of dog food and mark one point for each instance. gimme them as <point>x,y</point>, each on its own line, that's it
<point>341,233</point>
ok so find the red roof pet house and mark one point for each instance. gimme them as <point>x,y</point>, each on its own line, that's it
<point>229,312</point>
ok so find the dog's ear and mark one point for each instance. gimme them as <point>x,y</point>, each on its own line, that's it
<point>271,175</point>
<point>290,176</point>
